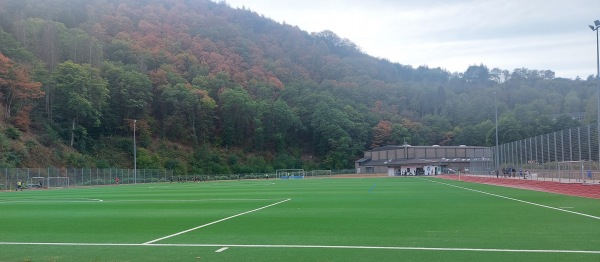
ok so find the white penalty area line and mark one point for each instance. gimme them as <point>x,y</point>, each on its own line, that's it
<point>214,222</point>
<point>319,247</point>
<point>518,200</point>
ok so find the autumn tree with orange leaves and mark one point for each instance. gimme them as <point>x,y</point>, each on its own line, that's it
<point>17,92</point>
<point>381,133</point>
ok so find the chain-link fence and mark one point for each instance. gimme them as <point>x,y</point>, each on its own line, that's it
<point>12,178</point>
<point>35,178</point>
<point>569,156</point>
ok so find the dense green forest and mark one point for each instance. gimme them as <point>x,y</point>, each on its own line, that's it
<point>212,90</point>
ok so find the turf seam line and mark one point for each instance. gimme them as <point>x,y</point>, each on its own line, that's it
<point>215,222</point>
<point>319,246</point>
<point>518,200</point>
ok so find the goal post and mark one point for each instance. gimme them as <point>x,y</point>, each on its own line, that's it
<point>290,173</point>
<point>56,182</point>
<point>576,172</point>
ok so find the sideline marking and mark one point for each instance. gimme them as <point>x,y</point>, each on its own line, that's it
<point>323,247</point>
<point>221,249</point>
<point>53,200</point>
<point>193,200</point>
<point>514,199</point>
<point>92,200</point>
<point>214,222</point>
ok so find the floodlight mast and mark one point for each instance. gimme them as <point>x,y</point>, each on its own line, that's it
<point>134,155</point>
<point>595,28</point>
<point>496,156</point>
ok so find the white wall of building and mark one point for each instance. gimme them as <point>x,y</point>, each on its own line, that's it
<point>391,171</point>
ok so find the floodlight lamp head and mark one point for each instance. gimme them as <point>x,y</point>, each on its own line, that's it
<point>592,27</point>
<point>597,22</point>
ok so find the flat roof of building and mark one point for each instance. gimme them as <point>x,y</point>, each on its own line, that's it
<point>418,161</point>
<point>433,146</point>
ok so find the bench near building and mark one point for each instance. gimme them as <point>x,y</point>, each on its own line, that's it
<point>423,160</point>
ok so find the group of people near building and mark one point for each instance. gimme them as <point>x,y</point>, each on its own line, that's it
<point>512,172</point>
<point>407,173</point>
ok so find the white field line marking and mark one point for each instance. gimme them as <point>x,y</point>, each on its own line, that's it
<point>52,200</point>
<point>84,200</point>
<point>214,222</point>
<point>518,200</point>
<point>318,246</point>
<point>191,200</point>
<point>221,249</point>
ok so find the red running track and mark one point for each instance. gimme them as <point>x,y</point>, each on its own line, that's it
<point>589,191</point>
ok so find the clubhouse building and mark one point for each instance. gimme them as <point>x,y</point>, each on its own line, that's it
<point>407,160</point>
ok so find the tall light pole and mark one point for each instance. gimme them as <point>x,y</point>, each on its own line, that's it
<point>134,155</point>
<point>496,156</point>
<point>595,28</point>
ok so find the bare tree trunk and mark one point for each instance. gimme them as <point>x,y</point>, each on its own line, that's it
<point>48,92</point>
<point>72,132</point>
<point>90,44</point>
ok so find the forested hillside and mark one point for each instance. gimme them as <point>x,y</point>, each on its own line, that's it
<point>212,89</point>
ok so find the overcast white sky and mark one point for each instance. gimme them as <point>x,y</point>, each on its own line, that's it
<point>453,34</point>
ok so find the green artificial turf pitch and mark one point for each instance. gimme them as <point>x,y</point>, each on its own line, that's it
<point>327,219</point>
